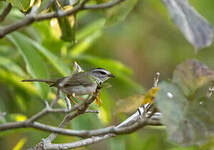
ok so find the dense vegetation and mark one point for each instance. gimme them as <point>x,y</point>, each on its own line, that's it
<point>133,39</point>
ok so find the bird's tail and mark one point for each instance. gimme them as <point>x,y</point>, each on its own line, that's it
<point>40,80</point>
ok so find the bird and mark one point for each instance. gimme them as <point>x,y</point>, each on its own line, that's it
<point>80,83</point>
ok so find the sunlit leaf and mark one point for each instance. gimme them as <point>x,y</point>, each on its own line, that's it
<point>132,103</point>
<point>20,4</point>
<point>106,109</point>
<point>119,12</point>
<point>195,28</point>
<point>53,59</point>
<point>129,104</point>
<point>191,75</point>
<point>188,122</point>
<point>11,66</point>
<point>15,80</point>
<point>34,64</point>
<point>20,144</point>
<point>18,117</point>
<point>103,115</point>
<point>83,45</point>
<point>90,29</point>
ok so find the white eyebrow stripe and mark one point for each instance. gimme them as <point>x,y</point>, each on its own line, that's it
<point>103,70</point>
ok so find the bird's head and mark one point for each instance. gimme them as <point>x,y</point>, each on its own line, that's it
<point>101,74</point>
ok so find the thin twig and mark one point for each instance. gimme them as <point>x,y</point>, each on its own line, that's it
<point>69,117</point>
<point>105,5</point>
<point>57,98</point>
<point>32,18</point>
<point>97,132</point>
<point>130,125</point>
<point>210,90</point>
<point>77,144</point>
<point>126,127</point>
<point>156,79</point>
<point>5,12</point>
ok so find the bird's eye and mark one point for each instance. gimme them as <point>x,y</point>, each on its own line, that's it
<point>101,72</point>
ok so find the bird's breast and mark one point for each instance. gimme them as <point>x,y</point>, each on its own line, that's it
<point>80,89</point>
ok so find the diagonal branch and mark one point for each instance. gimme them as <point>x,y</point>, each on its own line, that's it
<point>130,125</point>
<point>98,132</point>
<point>81,109</point>
<point>144,116</point>
<point>35,18</point>
<point>126,127</point>
<point>5,12</point>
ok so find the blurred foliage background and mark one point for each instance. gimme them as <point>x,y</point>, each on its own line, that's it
<point>134,50</point>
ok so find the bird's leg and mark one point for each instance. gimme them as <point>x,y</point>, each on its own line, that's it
<point>69,97</point>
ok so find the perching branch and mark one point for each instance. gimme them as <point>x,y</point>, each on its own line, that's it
<point>81,109</point>
<point>142,117</point>
<point>45,111</point>
<point>130,125</point>
<point>105,134</point>
<point>33,17</point>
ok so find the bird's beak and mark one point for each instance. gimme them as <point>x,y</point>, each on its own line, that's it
<point>111,76</point>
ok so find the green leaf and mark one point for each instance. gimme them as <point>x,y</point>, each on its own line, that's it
<point>11,66</point>
<point>85,44</point>
<point>17,117</point>
<point>13,79</point>
<point>110,64</point>
<point>90,29</point>
<point>20,4</point>
<point>34,63</point>
<point>188,122</point>
<point>60,66</point>
<point>196,29</point>
<point>20,144</point>
<point>67,27</point>
<point>191,75</point>
<point>87,36</point>
<point>119,12</point>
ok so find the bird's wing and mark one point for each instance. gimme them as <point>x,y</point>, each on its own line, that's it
<point>81,78</point>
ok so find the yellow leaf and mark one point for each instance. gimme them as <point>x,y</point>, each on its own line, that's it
<point>18,117</point>
<point>103,115</point>
<point>150,95</point>
<point>20,144</point>
<point>131,103</point>
<point>98,100</point>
